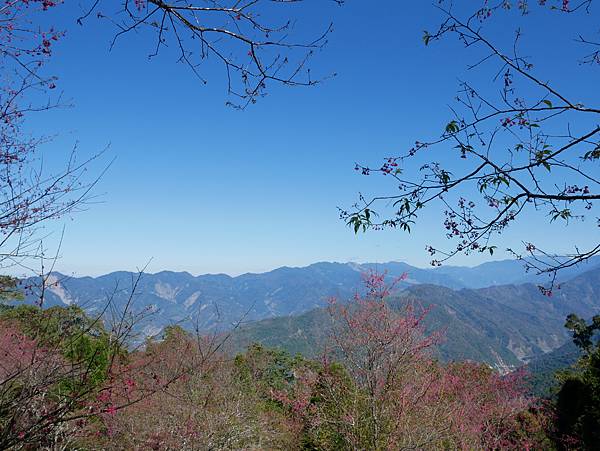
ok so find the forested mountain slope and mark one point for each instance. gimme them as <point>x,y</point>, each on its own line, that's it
<point>504,326</point>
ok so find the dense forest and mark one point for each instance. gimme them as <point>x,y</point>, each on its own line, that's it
<point>69,382</point>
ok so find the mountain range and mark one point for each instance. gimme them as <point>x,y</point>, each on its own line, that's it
<point>492,312</point>
<point>504,326</point>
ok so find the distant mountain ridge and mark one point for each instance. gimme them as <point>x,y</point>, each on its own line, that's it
<point>501,324</point>
<point>505,325</point>
<point>223,299</point>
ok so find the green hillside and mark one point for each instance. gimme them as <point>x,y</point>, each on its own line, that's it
<point>504,326</point>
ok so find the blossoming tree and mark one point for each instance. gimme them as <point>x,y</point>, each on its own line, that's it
<point>519,142</point>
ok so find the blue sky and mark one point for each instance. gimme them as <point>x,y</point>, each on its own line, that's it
<point>198,186</point>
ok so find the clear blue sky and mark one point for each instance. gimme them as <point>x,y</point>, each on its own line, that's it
<point>200,187</point>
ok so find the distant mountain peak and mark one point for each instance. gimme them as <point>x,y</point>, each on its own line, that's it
<point>509,320</point>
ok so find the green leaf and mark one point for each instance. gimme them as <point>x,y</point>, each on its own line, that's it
<point>444,177</point>
<point>563,214</point>
<point>547,102</point>
<point>503,180</point>
<point>592,154</point>
<point>452,127</point>
<point>426,37</point>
